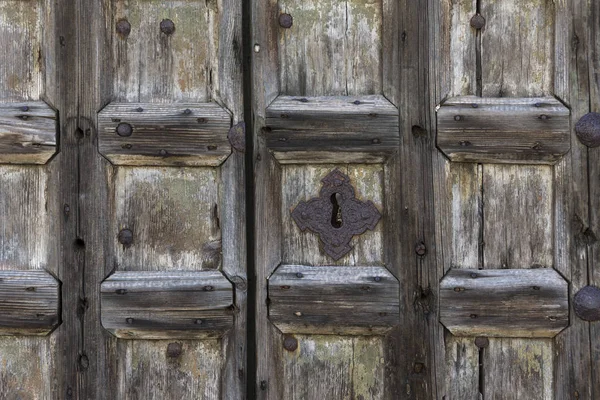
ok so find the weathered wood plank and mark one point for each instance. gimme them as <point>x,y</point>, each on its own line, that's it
<point>333,300</point>
<point>28,132</point>
<point>192,134</point>
<point>153,66</point>
<point>173,216</point>
<point>340,40</point>
<point>504,302</point>
<point>517,48</point>
<point>323,129</point>
<point>506,130</point>
<point>29,303</point>
<point>463,42</point>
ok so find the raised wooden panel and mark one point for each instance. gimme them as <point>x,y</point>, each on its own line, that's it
<point>192,134</point>
<point>332,129</point>
<point>29,303</point>
<point>503,130</point>
<point>333,300</point>
<point>167,305</point>
<point>504,302</point>
<point>28,132</point>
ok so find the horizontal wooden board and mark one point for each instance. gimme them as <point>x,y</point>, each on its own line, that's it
<point>167,305</point>
<point>333,300</point>
<point>504,302</point>
<point>27,132</point>
<point>180,134</point>
<point>503,130</point>
<point>29,302</point>
<point>332,129</point>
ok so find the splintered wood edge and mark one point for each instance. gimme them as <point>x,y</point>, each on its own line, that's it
<point>28,132</point>
<point>24,296</point>
<point>316,129</point>
<point>463,291</point>
<point>202,321</point>
<point>334,300</point>
<point>490,143</point>
<point>203,138</point>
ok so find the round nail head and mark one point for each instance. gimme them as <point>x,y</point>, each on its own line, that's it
<point>588,129</point>
<point>587,303</point>
<point>482,342</point>
<point>167,26</point>
<point>123,27</point>
<point>125,237</point>
<point>124,129</point>
<point>290,343</point>
<point>286,21</point>
<point>477,22</point>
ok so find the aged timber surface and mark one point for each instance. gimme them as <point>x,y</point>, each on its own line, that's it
<point>167,305</point>
<point>333,300</point>
<point>29,302</point>
<point>504,302</point>
<point>164,134</point>
<point>503,130</point>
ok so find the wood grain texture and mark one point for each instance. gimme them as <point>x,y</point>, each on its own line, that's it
<point>173,214</point>
<point>517,54</point>
<point>504,303</point>
<point>167,305</point>
<point>505,130</point>
<point>463,41</point>
<point>331,129</point>
<point>29,303</point>
<point>333,48</point>
<point>151,66</point>
<point>353,363</point>
<point>333,300</point>
<point>193,134</point>
<point>28,132</point>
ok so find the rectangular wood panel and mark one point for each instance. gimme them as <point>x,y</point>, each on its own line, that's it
<point>167,305</point>
<point>29,303</point>
<point>333,300</point>
<point>164,134</point>
<point>503,130</point>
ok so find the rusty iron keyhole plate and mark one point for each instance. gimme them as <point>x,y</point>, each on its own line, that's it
<point>352,216</point>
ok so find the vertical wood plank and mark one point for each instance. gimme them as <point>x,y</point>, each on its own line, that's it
<point>340,40</point>
<point>463,43</point>
<point>517,48</point>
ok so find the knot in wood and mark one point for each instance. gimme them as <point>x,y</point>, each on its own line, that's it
<point>286,21</point>
<point>167,26</point>
<point>587,303</point>
<point>477,21</point>
<point>588,129</point>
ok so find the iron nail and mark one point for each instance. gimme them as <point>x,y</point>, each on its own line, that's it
<point>187,111</point>
<point>123,27</point>
<point>420,249</point>
<point>125,237</point>
<point>286,21</point>
<point>457,117</point>
<point>139,109</point>
<point>124,129</point>
<point>167,26</point>
<point>477,21</point>
<point>377,279</point>
<point>129,321</point>
<point>473,316</point>
<point>121,291</point>
<point>162,153</point>
<point>198,322</point>
<point>356,102</point>
<point>174,350</point>
<point>482,342</point>
<point>299,275</point>
<point>25,108</point>
<point>208,288</point>
<point>290,343</point>
<point>543,116</point>
<point>376,141</point>
<point>201,120</point>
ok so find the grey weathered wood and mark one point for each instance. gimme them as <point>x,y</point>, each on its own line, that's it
<point>333,300</point>
<point>503,130</point>
<point>167,305</point>
<point>29,303</point>
<point>331,129</point>
<point>504,302</point>
<point>28,132</point>
<point>165,134</point>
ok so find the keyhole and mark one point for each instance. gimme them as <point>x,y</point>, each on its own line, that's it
<point>336,212</point>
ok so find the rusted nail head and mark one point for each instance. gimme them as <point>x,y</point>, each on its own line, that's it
<point>477,21</point>
<point>124,129</point>
<point>587,303</point>
<point>129,321</point>
<point>286,21</point>
<point>121,291</point>
<point>173,350</point>
<point>125,237</point>
<point>167,26</point>
<point>418,367</point>
<point>163,153</point>
<point>482,342</point>
<point>588,129</point>
<point>123,27</point>
<point>290,343</point>
<point>187,111</point>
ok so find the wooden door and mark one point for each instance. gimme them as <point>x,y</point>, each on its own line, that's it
<point>122,234</point>
<point>452,128</point>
